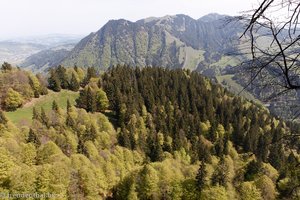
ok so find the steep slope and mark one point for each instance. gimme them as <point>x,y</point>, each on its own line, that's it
<point>171,41</point>
<point>189,139</point>
<point>210,45</point>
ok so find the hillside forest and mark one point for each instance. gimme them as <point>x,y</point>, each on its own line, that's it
<point>141,133</point>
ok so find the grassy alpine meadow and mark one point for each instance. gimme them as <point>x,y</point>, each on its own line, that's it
<point>24,114</point>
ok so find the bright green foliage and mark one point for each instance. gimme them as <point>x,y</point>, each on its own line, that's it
<point>29,154</point>
<point>13,100</point>
<point>93,100</point>
<point>23,180</point>
<point>267,187</point>
<point>248,191</point>
<point>16,84</point>
<point>48,152</point>
<point>148,183</point>
<point>166,135</point>
<point>215,193</point>
<point>101,100</point>
<point>6,167</point>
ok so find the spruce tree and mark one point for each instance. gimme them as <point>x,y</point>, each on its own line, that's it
<point>74,85</point>
<point>91,73</point>
<point>68,106</point>
<point>81,148</point>
<point>55,106</point>
<point>75,68</point>
<point>201,176</point>
<point>82,100</point>
<point>220,175</point>
<point>54,82</point>
<point>44,118</point>
<point>6,67</point>
<point>91,103</point>
<point>91,133</point>
<point>35,114</point>
<point>70,122</point>
<point>32,137</point>
<point>61,73</point>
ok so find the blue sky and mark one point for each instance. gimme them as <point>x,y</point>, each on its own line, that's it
<point>40,17</point>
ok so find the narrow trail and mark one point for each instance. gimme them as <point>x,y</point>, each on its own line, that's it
<point>36,100</point>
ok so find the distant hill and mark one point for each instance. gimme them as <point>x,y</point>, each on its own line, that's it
<point>46,59</point>
<point>16,50</point>
<point>172,41</point>
<point>49,40</point>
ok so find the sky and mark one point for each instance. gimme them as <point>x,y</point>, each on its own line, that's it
<point>22,18</point>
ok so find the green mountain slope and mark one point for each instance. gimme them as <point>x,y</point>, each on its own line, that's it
<point>175,135</point>
<point>171,41</point>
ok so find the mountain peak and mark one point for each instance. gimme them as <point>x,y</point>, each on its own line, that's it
<point>119,21</point>
<point>212,17</point>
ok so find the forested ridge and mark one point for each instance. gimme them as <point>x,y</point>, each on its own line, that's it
<point>149,133</point>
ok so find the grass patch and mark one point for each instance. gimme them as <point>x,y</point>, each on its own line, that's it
<point>24,115</point>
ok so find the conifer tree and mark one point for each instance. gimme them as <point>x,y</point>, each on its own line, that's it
<point>74,85</point>
<point>220,175</point>
<point>68,105</point>
<point>54,81</point>
<point>35,114</point>
<point>76,68</point>
<point>91,73</point>
<point>201,176</point>
<point>54,106</point>
<point>44,118</point>
<point>82,100</point>
<point>62,76</point>
<point>6,67</point>
<point>70,122</point>
<point>81,148</point>
<point>32,137</point>
<point>91,133</point>
<point>276,157</point>
<point>91,103</point>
